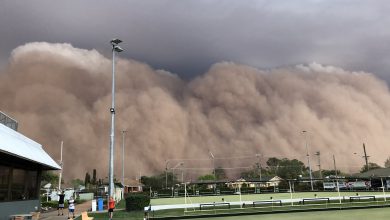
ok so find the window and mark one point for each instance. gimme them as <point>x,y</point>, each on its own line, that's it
<point>31,185</point>
<point>4,182</point>
<point>18,184</point>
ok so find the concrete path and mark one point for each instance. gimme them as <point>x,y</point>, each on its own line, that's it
<point>53,215</point>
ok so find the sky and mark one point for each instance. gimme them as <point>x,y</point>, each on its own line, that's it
<point>187,37</point>
<point>233,77</point>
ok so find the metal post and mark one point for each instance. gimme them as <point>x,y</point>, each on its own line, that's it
<point>383,189</point>
<point>166,174</point>
<point>123,157</point>
<point>308,161</point>
<point>62,167</point>
<point>318,153</point>
<point>334,165</point>
<point>291,194</point>
<point>337,178</point>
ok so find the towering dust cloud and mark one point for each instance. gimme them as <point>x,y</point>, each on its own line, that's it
<point>58,92</point>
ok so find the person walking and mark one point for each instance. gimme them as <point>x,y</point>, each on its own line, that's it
<point>111,207</point>
<point>61,202</point>
<point>71,207</point>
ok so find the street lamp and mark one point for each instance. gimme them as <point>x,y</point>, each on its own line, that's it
<point>115,48</point>
<point>308,160</point>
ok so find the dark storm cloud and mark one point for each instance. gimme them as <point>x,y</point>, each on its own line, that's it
<point>187,37</point>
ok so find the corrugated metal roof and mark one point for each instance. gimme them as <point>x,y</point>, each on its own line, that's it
<point>16,144</point>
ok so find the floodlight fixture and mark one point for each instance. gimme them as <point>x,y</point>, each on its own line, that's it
<point>116,41</point>
<point>117,48</point>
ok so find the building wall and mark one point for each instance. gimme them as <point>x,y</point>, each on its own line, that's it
<point>86,196</point>
<point>17,207</point>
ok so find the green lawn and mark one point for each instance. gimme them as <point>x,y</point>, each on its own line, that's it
<point>254,197</point>
<point>355,214</point>
<point>118,215</point>
<point>375,213</point>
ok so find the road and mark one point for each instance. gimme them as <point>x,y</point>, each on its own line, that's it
<point>53,215</point>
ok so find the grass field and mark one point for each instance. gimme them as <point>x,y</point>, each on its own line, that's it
<point>255,197</point>
<point>356,214</point>
<point>278,212</point>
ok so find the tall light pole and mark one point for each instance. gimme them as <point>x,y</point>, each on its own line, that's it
<point>213,158</point>
<point>123,157</point>
<point>308,160</point>
<point>259,165</point>
<point>318,153</point>
<point>115,48</point>
<point>166,174</point>
<point>62,167</point>
<point>173,172</point>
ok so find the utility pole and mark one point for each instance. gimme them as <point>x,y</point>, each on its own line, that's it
<point>62,167</point>
<point>259,165</point>
<point>366,157</point>
<point>166,174</point>
<point>334,165</point>
<point>319,163</point>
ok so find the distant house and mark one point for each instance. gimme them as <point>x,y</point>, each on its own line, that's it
<point>253,183</point>
<point>132,185</point>
<point>22,161</point>
<point>118,190</point>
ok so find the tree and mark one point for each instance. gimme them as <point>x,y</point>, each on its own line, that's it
<point>87,179</point>
<point>254,172</point>
<point>371,166</point>
<point>206,177</point>
<point>273,164</point>
<point>220,173</point>
<point>387,162</point>
<point>290,169</point>
<point>158,181</point>
<point>94,177</point>
<point>50,177</point>
<point>326,173</point>
<point>285,168</point>
<point>76,183</point>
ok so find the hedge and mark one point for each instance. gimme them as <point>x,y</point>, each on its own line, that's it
<point>137,201</point>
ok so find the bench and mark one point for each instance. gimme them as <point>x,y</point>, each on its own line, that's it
<point>267,202</point>
<point>214,204</point>
<point>316,199</point>
<point>351,198</point>
<point>20,216</point>
<point>84,216</point>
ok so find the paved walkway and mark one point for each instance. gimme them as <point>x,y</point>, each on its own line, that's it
<point>53,215</point>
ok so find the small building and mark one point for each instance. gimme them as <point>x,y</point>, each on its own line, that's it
<point>132,186</point>
<point>118,191</point>
<point>254,183</point>
<point>22,161</point>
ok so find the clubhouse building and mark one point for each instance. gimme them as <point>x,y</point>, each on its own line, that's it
<point>22,161</point>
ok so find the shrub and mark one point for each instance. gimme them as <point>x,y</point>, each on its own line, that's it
<point>137,201</point>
